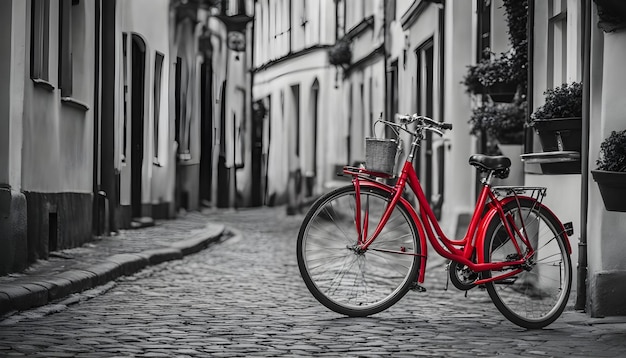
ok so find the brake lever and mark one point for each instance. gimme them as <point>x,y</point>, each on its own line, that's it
<point>435,130</point>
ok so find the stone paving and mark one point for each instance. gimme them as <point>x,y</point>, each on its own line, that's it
<point>104,259</point>
<point>244,297</point>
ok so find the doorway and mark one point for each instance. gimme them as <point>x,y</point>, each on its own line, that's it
<point>430,162</point>
<point>138,70</point>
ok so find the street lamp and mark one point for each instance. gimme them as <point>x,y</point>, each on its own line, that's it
<point>235,27</point>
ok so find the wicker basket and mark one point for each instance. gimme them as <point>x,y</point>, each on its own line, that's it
<point>380,155</point>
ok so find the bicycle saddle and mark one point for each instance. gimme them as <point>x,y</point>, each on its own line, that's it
<point>499,164</point>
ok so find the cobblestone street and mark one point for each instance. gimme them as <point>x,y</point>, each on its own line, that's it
<point>244,296</point>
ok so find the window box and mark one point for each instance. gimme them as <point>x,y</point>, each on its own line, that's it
<point>611,172</point>
<point>612,187</point>
<point>556,162</point>
<point>559,134</point>
<point>502,91</point>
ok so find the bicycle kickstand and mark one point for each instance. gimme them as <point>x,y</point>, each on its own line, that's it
<point>417,288</point>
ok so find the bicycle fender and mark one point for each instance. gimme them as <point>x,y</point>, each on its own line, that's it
<point>493,212</point>
<point>416,220</point>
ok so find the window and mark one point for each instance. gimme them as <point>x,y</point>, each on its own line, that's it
<point>392,99</point>
<point>370,98</point>
<point>390,10</point>
<point>557,43</point>
<point>315,90</point>
<point>39,52</point>
<point>295,90</point>
<point>158,74</point>
<point>484,29</point>
<point>125,98</point>
<point>65,47</point>
<point>182,120</point>
<point>72,40</point>
<point>340,18</point>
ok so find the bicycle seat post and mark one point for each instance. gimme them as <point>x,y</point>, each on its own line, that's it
<point>487,180</point>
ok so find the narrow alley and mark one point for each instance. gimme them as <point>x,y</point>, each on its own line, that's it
<point>243,296</point>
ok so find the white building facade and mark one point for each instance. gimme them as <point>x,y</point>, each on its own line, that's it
<point>294,92</point>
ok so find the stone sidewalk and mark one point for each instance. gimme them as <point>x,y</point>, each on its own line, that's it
<point>105,259</point>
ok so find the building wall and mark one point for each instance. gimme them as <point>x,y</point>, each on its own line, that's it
<point>363,84</point>
<point>460,47</point>
<point>13,224</point>
<point>47,158</point>
<point>57,152</point>
<point>276,85</point>
<point>293,79</point>
<point>605,229</point>
<point>551,68</point>
<point>57,134</point>
<point>148,25</point>
<point>150,20</point>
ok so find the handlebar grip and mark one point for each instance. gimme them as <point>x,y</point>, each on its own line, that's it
<point>446,126</point>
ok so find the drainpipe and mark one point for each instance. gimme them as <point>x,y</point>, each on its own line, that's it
<point>581,290</point>
<point>107,112</point>
<point>95,224</point>
<point>528,140</point>
<point>386,23</point>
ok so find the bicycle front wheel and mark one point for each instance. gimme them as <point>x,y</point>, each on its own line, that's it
<point>345,279</point>
<point>535,297</point>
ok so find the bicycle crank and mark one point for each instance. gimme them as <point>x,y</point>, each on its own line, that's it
<point>461,276</point>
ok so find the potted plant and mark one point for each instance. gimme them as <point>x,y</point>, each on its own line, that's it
<point>611,14</point>
<point>495,76</point>
<point>340,54</point>
<point>611,171</point>
<point>472,81</point>
<point>504,123</point>
<point>558,122</point>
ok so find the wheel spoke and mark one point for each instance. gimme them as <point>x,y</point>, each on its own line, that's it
<point>535,298</point>
<point>340,275</point>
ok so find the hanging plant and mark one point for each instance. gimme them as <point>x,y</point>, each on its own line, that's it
<point>516,12</point>
<point>611,14</point>
<point>611,172</point>
<point>564,101</point>
<point>472,80</point>
<point>493,76</point>
<point>503,121</point>
<point>558,121</point>
<point>341,53</point>
<point>510,67</point>
<point>613,153</point>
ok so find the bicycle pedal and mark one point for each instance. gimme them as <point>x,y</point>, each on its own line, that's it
<point>416,287</point>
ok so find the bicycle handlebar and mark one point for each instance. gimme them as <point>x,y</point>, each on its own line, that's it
<point>424,122</point>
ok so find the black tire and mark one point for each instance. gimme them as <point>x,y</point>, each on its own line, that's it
<point>532,299</point>
<point>343,279</point>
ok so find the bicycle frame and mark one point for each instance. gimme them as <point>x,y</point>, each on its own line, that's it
<point>460,251</point>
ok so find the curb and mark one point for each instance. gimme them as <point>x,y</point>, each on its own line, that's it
<point>43,290</point>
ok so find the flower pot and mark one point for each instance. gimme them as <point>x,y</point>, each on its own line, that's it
<point>559,134</point>
<point>502,91</point>
<point>612,187</point>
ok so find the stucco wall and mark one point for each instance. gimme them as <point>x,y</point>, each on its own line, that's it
<point>459,53</point>
<point>606,231</point>
<point>277,81</point>
<point>149,19</point>
<point>57,153</point>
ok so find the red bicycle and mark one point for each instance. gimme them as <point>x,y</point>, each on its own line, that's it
<point>363,246</point>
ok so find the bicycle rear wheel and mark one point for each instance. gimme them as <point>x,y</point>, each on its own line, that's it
<point>340,276</point>
<point>535,298</point>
